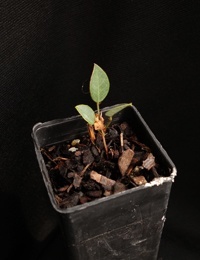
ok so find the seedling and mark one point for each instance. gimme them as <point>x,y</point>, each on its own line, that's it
<point>99,88</point>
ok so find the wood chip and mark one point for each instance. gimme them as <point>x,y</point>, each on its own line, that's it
<point>62,189</point>
<point>70,174</point>
<point>118,187</point>
<point>77,180</point>
<point>107,193</point>
<point>154,171</point>
<point>84,199</point>
<point>102,180</point>
<point>87,157</point>
<point>84,169</point>
<point>125,160</point>
<point>51,148</point>
<point>94,193</point>
<point>149,162</point>
<point>78,153</point>
<point>123,126</point>
<point>70,201</point>
<point>58,199</point>
<point>139,180</point>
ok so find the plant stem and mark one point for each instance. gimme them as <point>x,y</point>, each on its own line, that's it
<point>121,141</point>
<point>98,109</point>
<point>104,142</point>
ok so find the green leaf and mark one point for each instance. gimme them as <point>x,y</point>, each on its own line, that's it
<point>99,84</point>
<point>113,111</point>
<point>87,113</point>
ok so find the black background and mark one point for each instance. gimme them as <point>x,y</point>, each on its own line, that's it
<point>150,51</point>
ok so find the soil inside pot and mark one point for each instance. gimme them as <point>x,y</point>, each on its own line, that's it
<point>81,171</point>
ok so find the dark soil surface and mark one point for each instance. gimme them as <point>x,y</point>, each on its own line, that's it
<point>81,171</point>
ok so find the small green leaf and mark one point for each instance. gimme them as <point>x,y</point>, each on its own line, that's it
<point>99,84</point>
<point>87,113</point>
<point>113,111</point>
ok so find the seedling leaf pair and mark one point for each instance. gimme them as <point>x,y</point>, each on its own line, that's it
<point>99,88</point>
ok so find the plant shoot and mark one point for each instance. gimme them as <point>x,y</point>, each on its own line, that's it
<point>99,88</point>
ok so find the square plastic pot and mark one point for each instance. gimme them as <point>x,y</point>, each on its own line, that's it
<point>126,225</point>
